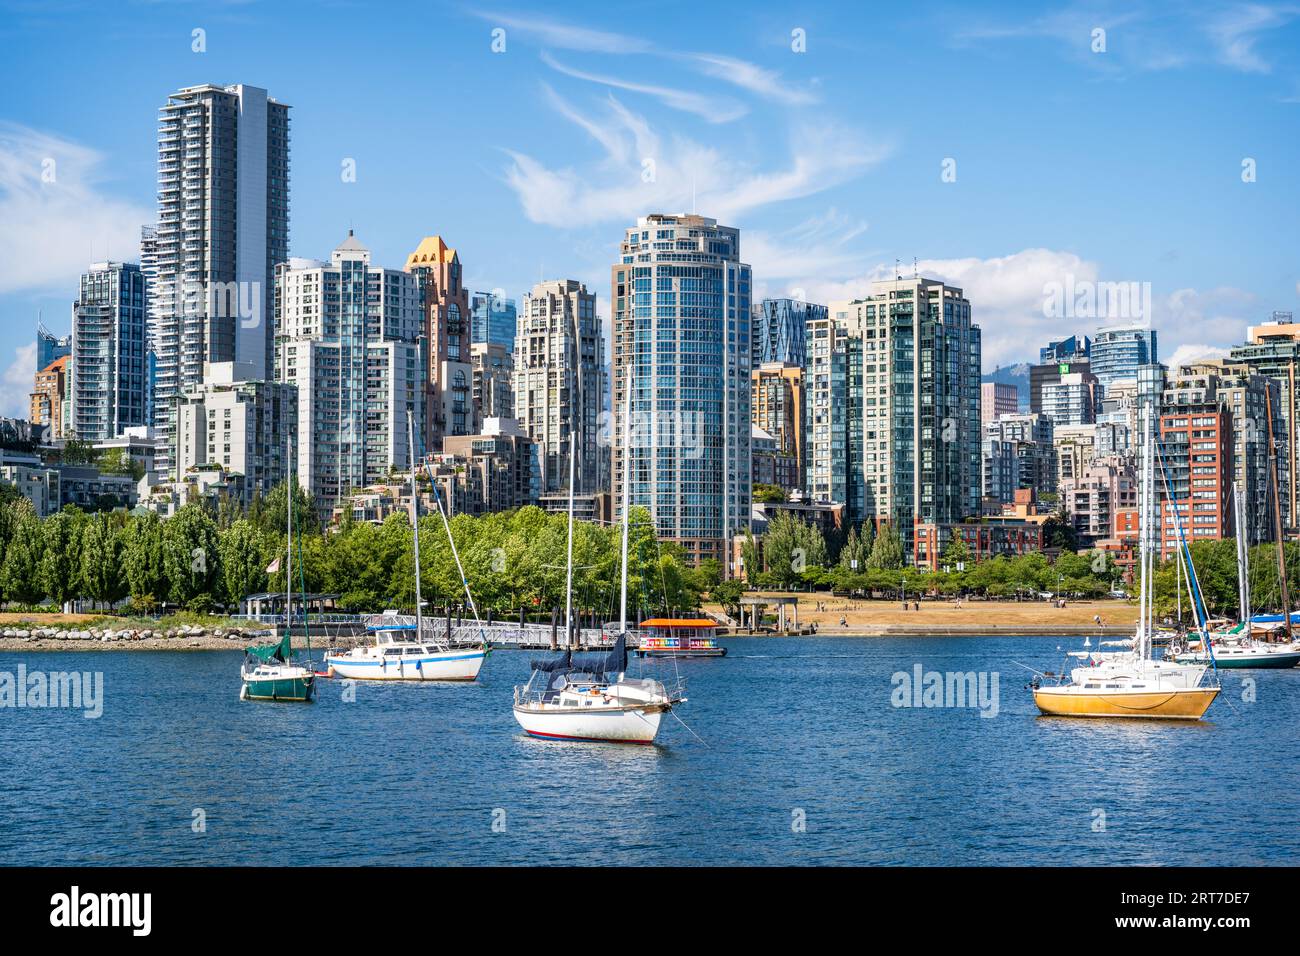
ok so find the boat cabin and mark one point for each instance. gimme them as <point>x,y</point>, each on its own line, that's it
<point>679,634</point>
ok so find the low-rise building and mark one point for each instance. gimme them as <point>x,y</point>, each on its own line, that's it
<point>771,465</point>
<point>503,459</point>
<point>50,400</point>
<point>1091,499</point>
<point>240,426</point>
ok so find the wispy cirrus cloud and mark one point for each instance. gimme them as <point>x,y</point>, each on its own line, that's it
<point>1147,37</point>
<point>1236,31</point>
<point>712,109</point>
<point>808,255</point>
<point>765,83</point>
<point>741,74</point>
<point>566,36</point>
<point>642,170</point>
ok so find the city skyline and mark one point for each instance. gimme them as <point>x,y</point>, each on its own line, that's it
<point>825,206</point>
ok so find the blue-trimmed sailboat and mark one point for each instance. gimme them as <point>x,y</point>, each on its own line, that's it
<point>402,650</point>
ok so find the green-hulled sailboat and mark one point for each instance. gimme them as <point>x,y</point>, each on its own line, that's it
<point>268,671</point>
<point>270,675</point>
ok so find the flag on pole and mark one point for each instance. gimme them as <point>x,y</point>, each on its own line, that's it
<point>273,567</point>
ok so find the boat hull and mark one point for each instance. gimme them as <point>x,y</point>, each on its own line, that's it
<point>624,725</point>
<point>456,665</point>
<point>288,689</point>
<point>1251,661</point>
<point>693,652</point>
<point>1181,704</point>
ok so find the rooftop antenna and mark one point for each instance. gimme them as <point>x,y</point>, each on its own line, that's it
<point>898,269</point>
<point>915,274</point>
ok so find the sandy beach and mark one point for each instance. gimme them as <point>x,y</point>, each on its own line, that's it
<point>885,618</point>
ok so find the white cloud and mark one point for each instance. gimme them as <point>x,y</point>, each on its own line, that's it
<point>811,254</point>
<point>568,37</point>
<point>1008,296</point>
<point>17,381</point>
<point>641,171</point>
<point>54,229</point>
<point>737,72</point>
<point>1235,32</point>
<point>1194,353</point>
<point>1216,315</point>
<point>715,110</point>
<point>1006,293</point>
<point>748,76</point>
<point>1144,37</point>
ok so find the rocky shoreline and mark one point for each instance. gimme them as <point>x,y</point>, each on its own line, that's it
<point>181,638</point>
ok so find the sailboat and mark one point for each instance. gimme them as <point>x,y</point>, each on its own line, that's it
<point>268,671</point>
<point>1237,647</point>
<point>269,674</point>
<point>401,649</point>
<point>1132,683</point>
<point>591,698</point>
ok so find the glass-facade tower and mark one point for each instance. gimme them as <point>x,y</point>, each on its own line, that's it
<point>680,300</point>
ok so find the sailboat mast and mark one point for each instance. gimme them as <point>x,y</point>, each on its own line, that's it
<point>415,519</point>
<point>288,544</point>
<point>568,565</point>
<point>1277,515</point>
<point>627,495</point>
<point>1178,570</point>
<point>1144,616</point>
<point>1243,574</point>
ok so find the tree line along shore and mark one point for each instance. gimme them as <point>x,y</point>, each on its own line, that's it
<point>206,559</point>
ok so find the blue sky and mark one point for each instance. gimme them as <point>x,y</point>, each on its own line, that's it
<point>1117,165</point>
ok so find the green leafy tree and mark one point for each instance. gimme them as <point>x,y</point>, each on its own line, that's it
<point>142,559</point>
<point>728,595</point>
<point>243,560</point>
<point>887,551</point>
<point>192,557</point>
<point>20,576</point>
<point>1058,532</point>
<point>78,452</point>
<point>270,514</point>
<point>60,567</point>
<point>956,554</point>
<point>791,548</point>
<point>102,576</point>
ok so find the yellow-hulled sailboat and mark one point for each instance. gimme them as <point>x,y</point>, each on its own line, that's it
<point>1130,683</point>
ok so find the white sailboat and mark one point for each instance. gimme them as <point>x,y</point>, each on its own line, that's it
<point>591,698</point>
<point>1130,683</point>
<point>402,650</point>
<point>1238,647</point>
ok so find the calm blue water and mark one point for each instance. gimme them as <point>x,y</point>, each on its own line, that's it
<point>413,775</point>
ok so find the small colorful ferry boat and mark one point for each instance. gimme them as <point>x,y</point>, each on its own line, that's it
<point>680,637</point>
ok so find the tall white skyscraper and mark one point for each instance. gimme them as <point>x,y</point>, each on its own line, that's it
<point>680,309</point>
<point>348,336</point>
<point>223,224</point>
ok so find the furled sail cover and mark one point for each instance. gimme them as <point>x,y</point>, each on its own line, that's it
<point>613,661</point>
<point>271,652</point>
